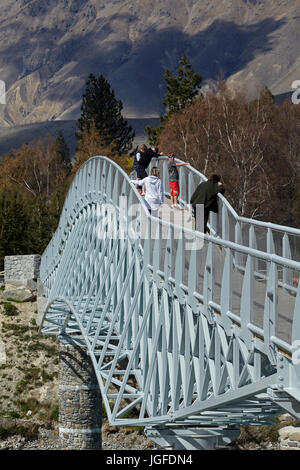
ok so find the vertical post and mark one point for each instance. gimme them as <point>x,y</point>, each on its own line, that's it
<point>238,239</point>
<point>80,404</point>
<point>287,273</point>
<point>253,244</point>
<point>225,223</point>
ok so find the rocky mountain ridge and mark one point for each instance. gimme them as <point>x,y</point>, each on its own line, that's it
<point>48,48</point>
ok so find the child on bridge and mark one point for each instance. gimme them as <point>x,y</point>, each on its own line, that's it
<point>154,196</point>
<point>174,180</point>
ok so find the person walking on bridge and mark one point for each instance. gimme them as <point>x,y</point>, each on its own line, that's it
<point>174,180</point>
<point>207,194</point>
<point>154,196</point>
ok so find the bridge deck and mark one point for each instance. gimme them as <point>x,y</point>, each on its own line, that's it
<point>285,300</point>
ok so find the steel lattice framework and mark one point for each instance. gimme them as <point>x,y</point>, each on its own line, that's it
<point>198,333</point>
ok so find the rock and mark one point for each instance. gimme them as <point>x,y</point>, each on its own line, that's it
<point>286,418</point>
<point>295,434</point>
<point>21,295</point>
<point>284,433</point>
<point>107,429</point>
<point>31,284</point>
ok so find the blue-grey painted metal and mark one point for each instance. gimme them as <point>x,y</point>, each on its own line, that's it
<point>189,329</point>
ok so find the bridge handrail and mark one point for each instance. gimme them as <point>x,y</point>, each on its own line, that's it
<point>261,223</point>
<point>272,256</point>
<point>264,236</point>
<point>71,270</point>
<point>80,195</point>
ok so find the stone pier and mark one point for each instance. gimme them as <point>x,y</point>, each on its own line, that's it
<point>80,404</point>
<point>22,270</point>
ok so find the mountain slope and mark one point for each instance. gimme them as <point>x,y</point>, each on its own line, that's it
<point>49,47</point>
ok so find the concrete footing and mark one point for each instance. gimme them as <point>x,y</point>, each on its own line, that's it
<point>80,404</point>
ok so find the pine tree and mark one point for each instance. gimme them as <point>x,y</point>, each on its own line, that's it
<point>181,90</point>
<point>99,105</point>
<point>62,150</point>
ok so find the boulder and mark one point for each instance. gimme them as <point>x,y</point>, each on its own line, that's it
<point>21,295</point>
<point>295,434</point>
<point>284,433</point>
<point>286,418</point>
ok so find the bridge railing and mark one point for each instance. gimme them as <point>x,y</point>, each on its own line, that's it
<point>169,299</point>
<point>228,225</point>
<point>101,180</point>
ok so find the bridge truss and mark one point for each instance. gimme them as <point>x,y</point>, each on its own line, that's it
<point>197,334</point>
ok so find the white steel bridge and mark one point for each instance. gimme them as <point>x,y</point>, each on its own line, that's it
<point>198,334</point>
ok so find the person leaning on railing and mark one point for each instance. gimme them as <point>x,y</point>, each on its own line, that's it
<point>142,160</point>
<point>206,193</point>
<point>174,180</point>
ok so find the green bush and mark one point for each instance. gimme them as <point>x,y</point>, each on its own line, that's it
<point>30,405</point>
<point>27,431</point>
<point>10,310</point>
<point>3,432</point>
<point>54,413</point>
<point>21,430</point>
<point>48,413</point>
<point>14,414</point>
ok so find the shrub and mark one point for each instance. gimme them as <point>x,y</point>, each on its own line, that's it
<point>10,310</point>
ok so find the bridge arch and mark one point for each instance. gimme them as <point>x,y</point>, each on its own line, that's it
<point>187,329</point>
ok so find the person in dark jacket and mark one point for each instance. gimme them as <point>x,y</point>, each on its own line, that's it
<point>147,156</point>
<point>207,194</point>
<point>140,170</point>
<point>142,160</point>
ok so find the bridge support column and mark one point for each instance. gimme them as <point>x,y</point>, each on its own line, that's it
<point>80,403</point>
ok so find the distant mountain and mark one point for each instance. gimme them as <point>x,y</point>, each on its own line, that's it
<point>49,47</point>
<point>15,136</point>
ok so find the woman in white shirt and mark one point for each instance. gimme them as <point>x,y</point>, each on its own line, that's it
<point>154,190</point>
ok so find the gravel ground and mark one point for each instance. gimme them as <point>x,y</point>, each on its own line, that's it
<point>117,439</point>
<point>112,439</point>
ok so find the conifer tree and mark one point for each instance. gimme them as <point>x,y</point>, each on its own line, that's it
<point>62,150</point>
<point>99,105</point>
<point>181,89</point>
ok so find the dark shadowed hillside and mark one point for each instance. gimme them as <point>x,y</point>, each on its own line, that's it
<point>49,47</point>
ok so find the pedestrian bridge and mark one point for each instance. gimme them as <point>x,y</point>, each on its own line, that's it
<point>190,335</point>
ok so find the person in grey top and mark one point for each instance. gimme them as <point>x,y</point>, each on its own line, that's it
<point>174,180</point>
